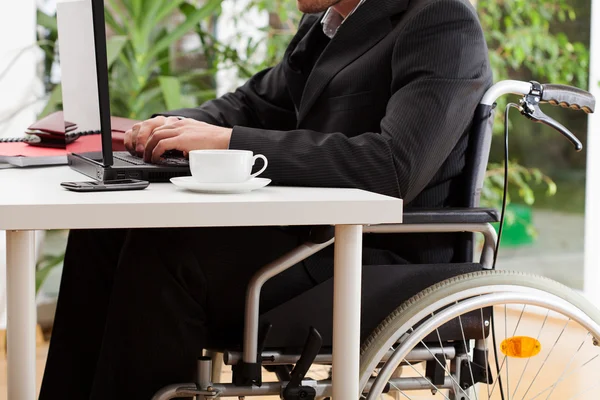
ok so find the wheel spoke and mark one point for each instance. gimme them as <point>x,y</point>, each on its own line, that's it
<point>527,363</point>
<point>422,376</point>
<point>566,376</point>
<point>485,347</point>
<point>444,367</point>
<point>546,359</point>
<point>560,378</point>
<point>529,359</point>
<point>474,294</point>
<point>498,376</point>
<point>437,332</point>
<point>585,391</point>
<point>462,331</point>
<point>506,337</point>
<point>401,392</point>
<point>513,334</point>
<point>438,361</point>
<point>519,321</point>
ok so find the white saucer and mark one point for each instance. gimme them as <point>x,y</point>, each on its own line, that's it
<point>189,183</point>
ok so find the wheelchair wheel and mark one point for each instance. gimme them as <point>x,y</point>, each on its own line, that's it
<point>528,338</point>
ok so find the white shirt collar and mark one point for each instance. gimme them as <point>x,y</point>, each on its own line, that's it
<point>332,20</point>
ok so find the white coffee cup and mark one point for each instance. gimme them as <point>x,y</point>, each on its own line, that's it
<point>224,166</point>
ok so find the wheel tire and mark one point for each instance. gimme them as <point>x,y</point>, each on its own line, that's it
<point>390,327</point>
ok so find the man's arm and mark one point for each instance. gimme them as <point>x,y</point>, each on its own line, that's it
<point>440,71</point>
<point>261,102</point>
<point>264,101</point>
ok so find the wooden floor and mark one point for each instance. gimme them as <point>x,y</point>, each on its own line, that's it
<point>42,352</point>
<point>558,359</point>
<point>40,362</point>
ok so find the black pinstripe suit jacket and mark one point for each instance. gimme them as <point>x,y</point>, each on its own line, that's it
<point>384,106</point>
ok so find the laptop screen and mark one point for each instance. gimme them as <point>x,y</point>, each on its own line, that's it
<point>84,72</point>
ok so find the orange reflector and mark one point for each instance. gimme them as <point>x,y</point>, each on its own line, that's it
<point>520,347</point>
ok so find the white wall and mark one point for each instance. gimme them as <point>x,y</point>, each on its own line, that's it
<point>18,88</point>
<point>250,24</point>
<point>592,209</point>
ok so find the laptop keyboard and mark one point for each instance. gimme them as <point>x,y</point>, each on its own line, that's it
<point>171,161</point>
<point>128,158</point>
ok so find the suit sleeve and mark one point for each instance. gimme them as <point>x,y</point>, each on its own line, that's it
<point>263,101</point>
<point>440,71</point>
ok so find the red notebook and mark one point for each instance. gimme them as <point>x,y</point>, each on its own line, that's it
<point>21,154</point>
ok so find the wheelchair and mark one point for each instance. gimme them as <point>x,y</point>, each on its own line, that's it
<point>454,331</point>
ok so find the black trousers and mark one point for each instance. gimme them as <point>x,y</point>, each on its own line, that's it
<point>136,307</point>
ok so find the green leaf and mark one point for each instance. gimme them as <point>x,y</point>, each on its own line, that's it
<point>47,21</point>
<point>114,45</point>
<point>136,7</point>
<point>168,8</point>
<point>121,6</point>
<point>171,91</point>
<point>44,267</point>
<point>188,25</point>
<point>112,22</point>
<point>527,195</point>
<point>155,11</point>
<point>551,189</point>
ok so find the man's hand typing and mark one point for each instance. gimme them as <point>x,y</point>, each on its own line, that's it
<point>153,137</point>
<point>137,136</point>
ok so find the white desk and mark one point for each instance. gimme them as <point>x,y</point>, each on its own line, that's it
<point>32,199</point>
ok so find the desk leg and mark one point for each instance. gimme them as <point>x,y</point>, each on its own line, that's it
<point>346,311</point>
<point>21,313</point>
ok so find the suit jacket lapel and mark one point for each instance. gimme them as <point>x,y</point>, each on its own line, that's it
<point>361,31</point>
<point>294,53</point>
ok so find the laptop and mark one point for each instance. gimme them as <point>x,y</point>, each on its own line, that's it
<point>82,51</point>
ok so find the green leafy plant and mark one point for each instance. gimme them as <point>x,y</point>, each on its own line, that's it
<point>144,76</point>
<point>520,176</point>
<point>44,266</point>
<point>142,55</point>
<point>519,35</point>
<point>522,183</point>
<point>284,18</point>
<point>523,46</point>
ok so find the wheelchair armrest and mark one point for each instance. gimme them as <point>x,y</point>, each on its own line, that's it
<point>450,216</point>
<point>322,233</point>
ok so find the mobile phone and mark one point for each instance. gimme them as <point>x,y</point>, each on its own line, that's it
<point>102,186</point>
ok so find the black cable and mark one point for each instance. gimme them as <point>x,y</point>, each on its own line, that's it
<point>505,190</point>
<point>32,138</point>
<point>504,196</point>
<point>83,133</point>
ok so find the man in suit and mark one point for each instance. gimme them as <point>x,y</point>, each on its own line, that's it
<point>376,95</point>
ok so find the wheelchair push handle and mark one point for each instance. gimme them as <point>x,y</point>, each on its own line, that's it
<point>568,97</point>
<point>565,96</point>
<point>537,115</point>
